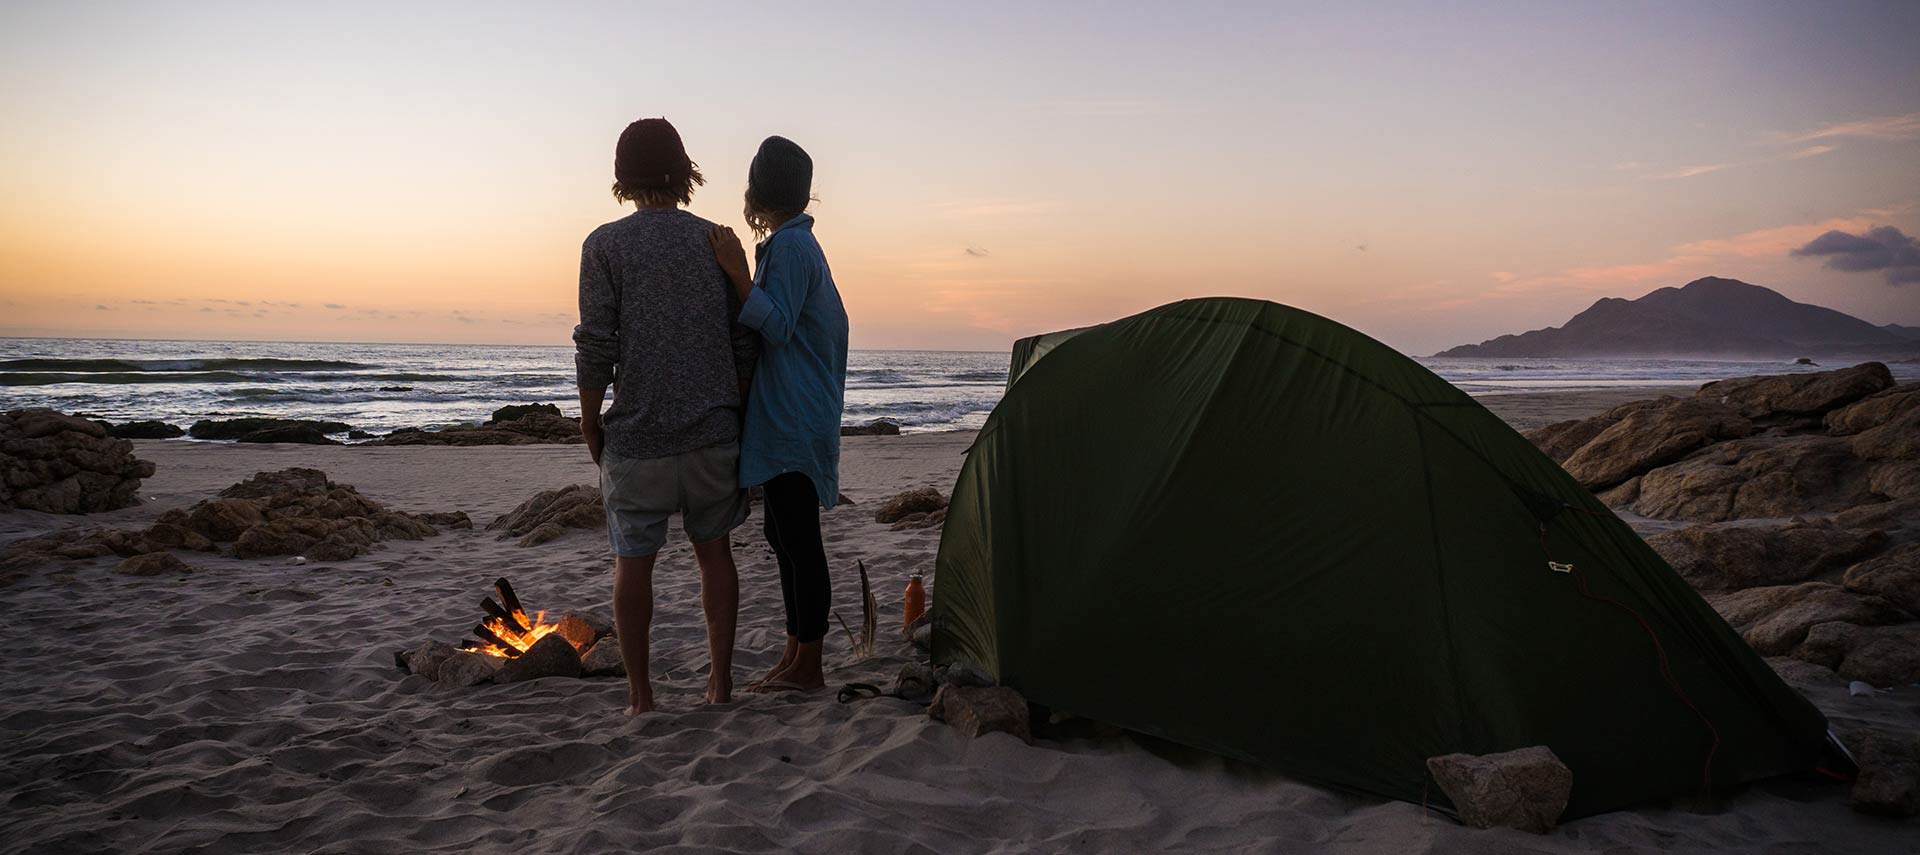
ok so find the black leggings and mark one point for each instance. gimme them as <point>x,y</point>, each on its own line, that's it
<point>793,530</point>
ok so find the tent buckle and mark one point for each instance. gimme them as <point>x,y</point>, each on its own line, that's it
<point>1557,567</point>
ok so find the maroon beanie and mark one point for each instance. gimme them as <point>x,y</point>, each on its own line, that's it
<point>650,156</point>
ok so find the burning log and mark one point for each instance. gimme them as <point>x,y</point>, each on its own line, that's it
<point>506,648</point>
<point>508,599</point>
<point>514,620</point>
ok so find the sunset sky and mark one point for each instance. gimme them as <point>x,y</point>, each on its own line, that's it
<point>426,172</point>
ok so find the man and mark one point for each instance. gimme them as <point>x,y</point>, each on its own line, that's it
<point>657,323</point>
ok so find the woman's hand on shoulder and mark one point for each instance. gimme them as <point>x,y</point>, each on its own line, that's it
<point>732,257</point>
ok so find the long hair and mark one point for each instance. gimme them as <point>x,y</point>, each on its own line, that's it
<point>779,184</point>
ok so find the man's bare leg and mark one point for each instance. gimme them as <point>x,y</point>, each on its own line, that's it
<point>633,620</point>
<point>720,599</point>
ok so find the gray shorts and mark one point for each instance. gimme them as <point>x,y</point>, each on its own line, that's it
<point>702,484</point>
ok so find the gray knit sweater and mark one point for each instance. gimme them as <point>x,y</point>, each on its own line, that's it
<point>657,322</point>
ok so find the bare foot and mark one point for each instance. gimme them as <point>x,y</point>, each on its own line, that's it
<point>640,702</point>
<point>719,689</point>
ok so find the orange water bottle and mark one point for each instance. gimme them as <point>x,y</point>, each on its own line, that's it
<point>916,602</point>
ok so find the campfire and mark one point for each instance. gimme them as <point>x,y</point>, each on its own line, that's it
<point>507,631</point>
<point>509,646</point>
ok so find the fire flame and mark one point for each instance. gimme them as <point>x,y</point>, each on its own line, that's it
<point>520,641</point>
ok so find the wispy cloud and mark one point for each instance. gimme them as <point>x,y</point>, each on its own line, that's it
<point>1905,127</point>
<point>1689,171</point>
<point>976,252</point>
<point>1810,151</point>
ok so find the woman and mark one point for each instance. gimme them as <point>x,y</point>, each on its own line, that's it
<point>790,444</point>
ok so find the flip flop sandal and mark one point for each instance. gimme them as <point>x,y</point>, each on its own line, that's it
<point>859,692</point>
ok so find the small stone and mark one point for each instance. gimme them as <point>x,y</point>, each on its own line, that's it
<point>976,711</point>
<point>581,630</point>
<point>1525,789</point>
<point>603,659</point>
<point>965,675</point>
<point>152,564</point>
<point>551,656</point>
<point>467,669</point>
<point>924,500</point>
<point>426,659</point>
<point>1858,689</point>
<point>923,635</point>
<point>915,683</point>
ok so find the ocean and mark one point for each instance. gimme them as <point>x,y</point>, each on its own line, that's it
<point>379,387</point>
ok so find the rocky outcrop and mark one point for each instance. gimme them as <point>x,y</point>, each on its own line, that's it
<point>297,511</point>
<point>1875,410</point>
<point>1798,394</point>
<point>243,429</point>
<point>1889,779</point>
<point>513,412</point>
<point>65,465</point>
<point>143,430</point>
<point>534,428</point>
<point>1525,789</point>
<point>550,513</point>
<point>1653,436</point>
<point>1731,556</point>
<point>1758,478</point>
<point>1775,620</point>
<point>295,434</point>
<point>1894,574</point>
<point>877,427</point>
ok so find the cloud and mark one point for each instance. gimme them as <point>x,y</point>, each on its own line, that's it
<point>101,308</point>
<point>335,306</point>
<point>1810,151</point>
<point>1884,248</point>
<point>976,252</point>
<point>1690,171</point>
<point>1906,127</point>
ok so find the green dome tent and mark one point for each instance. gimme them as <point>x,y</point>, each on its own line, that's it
<point>1249,529</point>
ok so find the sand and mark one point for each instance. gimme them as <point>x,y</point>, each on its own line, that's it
<point>254,707</point>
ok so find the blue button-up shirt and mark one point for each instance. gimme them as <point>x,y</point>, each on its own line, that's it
<point>800,386</point>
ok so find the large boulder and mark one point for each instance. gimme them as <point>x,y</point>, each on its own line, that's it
<point>603,659</point>
<point>1525,789</point>
<point>551,513</point>
<point>241,428</point>
<point>1561,439</point>
<point>1653,436</point>
<point>61,464</point>
<point>1774,620</point>
<point>1875,410</point>
<point>1798,394</point>
<point>551,656</point>
<point>144,430</point>
<point>1894,574</point>
<point>1725,556</point>
<point>1761,477</point>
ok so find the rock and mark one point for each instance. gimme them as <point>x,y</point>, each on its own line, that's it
<point>467,669</point>
<point>1808,394</point>
<point>603,659</point>
<point>1874,410</point>
<point>1884,655</point>
<point>301,435</point>
<point>1653,436</point>
<point>1889,779</point>
<point>1895,479</point>
<point>1897,439</point>
<point>1561,439</point>
<point>915,683</point>
<point>551,512</point>
<point>963,674</point>
<point>877,427</point>
<point>356,433</point>
<point>1723,556</point>
<point>922,636</point>
<point>976,711</point>
<point>426,659</point>
<point>1774,620</point>
<point>1623,495</point>
<point>61,464</point>
<point>224,519</point>
<point>145,430</point>
<point>551,656</point>
<point>1827,644</point>
<point>238,428</point>
<point>581,630</point>
<point>513,412</point>
<point>162,536</point>
<point>153,564</point>
<point>1894,574</point>
<point>1893,515</point>
<point>1800,674</point>
<point>538,428</point>
<point>1757,478</point>
<point>1525,789</point>
<point>934,519</point>
<point>919,501</point>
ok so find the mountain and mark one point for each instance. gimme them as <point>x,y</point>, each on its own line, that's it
<point>1708,317</point>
